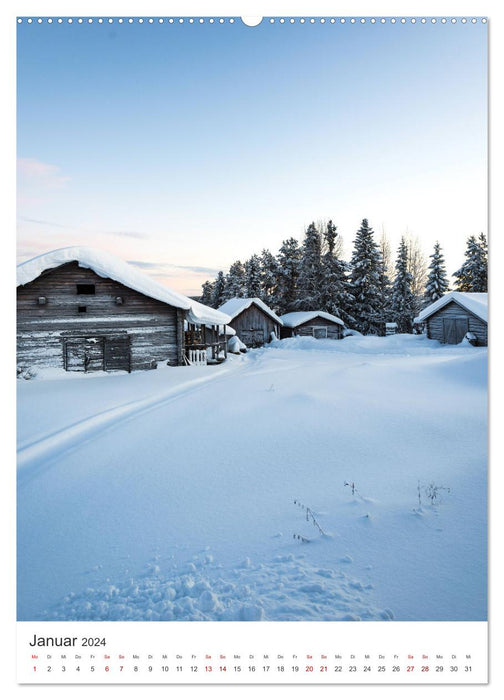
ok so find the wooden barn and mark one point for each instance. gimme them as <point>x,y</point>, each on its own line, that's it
<point>317,324</point>
<point>85,310</point>
<point>455,315</point>
<point>253,321</point>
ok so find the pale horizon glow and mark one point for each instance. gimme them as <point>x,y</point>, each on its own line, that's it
<point>183,148</point>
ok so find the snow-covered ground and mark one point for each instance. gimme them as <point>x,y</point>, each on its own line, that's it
<point>182,493</point>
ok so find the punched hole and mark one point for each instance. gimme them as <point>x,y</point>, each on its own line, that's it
<point>251,21</point>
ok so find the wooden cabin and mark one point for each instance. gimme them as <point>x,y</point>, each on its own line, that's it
<point>317,324</point>
<point>84,310</point>
<point>457,315</point>
<point>252,320</point>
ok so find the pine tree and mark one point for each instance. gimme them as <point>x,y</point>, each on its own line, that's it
<point>402,295</point>
<point>365,277</point>
<point>253,276</point>
<point>269,278</point>
<point>207,293</point>
<point>235,282</point>
<point>289,265</point>
<point>218,296</point>
<point>311,273</point>
<point>335,295</point>
<point>437,281</point>
<point>473,275</point>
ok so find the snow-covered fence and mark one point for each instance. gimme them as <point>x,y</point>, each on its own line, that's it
<point>197,357</point>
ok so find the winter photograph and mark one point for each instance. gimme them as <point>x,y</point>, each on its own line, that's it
<point>252,319</point>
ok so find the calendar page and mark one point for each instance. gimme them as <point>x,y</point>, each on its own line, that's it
<point>252,348</point>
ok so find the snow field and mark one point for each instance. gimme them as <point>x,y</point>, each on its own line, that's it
<point>179,504</point>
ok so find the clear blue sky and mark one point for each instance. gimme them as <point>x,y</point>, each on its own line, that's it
<point>186,147</point>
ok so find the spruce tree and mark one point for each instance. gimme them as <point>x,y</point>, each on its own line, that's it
<point>253,276</point>
<point>437,281</point>
<point>473,275</point>
<point>207,293</point>
<point>386,275</point>
<point>403,300</point>
<point>289,265</point>
<point>269,278</point>
<point>365,277</point>
<point>482,278</point>
<point>335,295</point>
<point>218,296</point>
<point>311,273</point>
<point>235,282</point>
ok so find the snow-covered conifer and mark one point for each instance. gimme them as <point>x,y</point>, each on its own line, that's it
<point>365,277</point>
<point>403,299</point>
<point>236,286</point>
<point>335,295</point>
<point>289,265</point>
<point>207,293</point>
<point>473,275</point>
<point>269,278</point>
<point>437,281</point>
<point>253,276</point>
<point>482,281</point>
<point>311,274</point>
<point>385,276</point>
<point>218,297</point>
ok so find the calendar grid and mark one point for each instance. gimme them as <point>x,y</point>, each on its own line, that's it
<point>307,653</point>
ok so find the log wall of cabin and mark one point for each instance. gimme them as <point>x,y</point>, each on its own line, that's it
<point>334,330</point>
<point>452,310</point>
<point>155,329</point>
<point>255,318</point>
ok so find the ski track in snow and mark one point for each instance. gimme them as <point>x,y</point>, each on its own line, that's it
<point>33,457</point>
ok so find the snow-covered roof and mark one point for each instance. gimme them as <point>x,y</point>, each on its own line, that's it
<point>297,318</point>
<point>106,265</point>
<point>475,302</point>
<point>235,306</point>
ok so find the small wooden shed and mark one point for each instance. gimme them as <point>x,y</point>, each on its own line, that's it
<point>85,310</point>
<point>455,315</point>
<point>318,324</point>
<point>253,321</point>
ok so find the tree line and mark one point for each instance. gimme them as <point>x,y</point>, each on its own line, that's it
<point>366,292</point>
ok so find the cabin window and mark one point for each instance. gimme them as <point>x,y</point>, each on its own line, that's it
<point>82,309</point>
<point>41,301</point>
<point>118,300</point>
<point>86,289</point>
